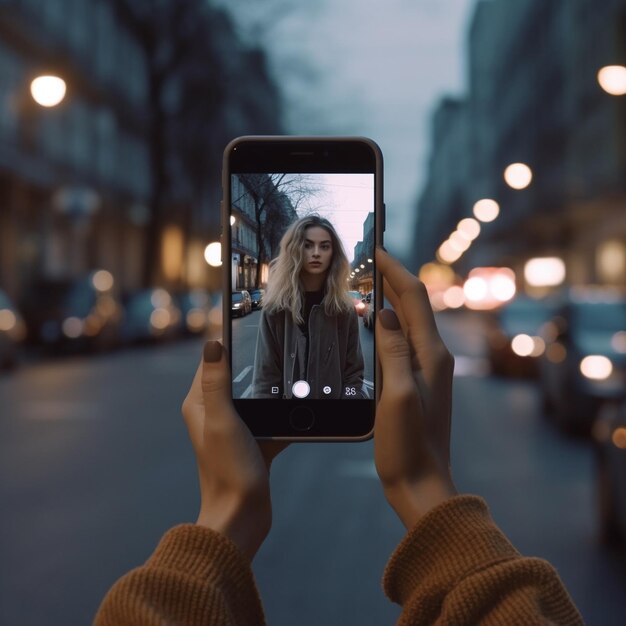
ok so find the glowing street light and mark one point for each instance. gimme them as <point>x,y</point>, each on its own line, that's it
<point>612,78</point>
<point>447,253</point>
<point>486,210</point>
<point>469,227</point>
<point>48,91</point>
<point>213,254</point>
<point>459,242</point>
<point>518,175</point>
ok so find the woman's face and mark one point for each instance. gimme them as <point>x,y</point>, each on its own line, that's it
<point>318,251</point>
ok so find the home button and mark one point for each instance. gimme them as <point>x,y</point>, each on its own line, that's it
<point>302,418</point>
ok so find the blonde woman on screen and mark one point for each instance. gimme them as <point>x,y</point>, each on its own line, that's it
<point>308,340</point>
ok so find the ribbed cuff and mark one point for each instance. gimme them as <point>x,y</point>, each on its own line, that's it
<point>449,542</point>
<point>207,555</point>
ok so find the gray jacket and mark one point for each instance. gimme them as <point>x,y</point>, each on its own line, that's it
<point>335,356</point>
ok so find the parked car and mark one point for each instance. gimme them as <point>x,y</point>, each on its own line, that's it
<point>357,299</point>
<point>609,432</point>
<point>195,306</point>
<point>74,315</point>
<point>151,314</point>
<point>368,311</point>
<point>241,303</point>
<point>584,364</point>
<point>257,298</point>
<point>12,332</point>
<point>513,336</point>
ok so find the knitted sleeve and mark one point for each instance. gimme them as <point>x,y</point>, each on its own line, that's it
<point>196,576</point>
<point>456,567</point>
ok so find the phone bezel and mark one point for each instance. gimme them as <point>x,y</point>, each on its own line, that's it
<point>292,154</point>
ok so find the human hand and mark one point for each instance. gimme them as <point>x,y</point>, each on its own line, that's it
<point>412,428</point>
<point>233,467</point>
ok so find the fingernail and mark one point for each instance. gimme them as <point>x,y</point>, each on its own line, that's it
<point>212,351</point>
<point>388,319</point>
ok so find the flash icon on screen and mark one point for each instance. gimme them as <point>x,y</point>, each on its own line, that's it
<point>327,390</point>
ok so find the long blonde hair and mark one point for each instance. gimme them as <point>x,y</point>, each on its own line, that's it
<point>284,288</point>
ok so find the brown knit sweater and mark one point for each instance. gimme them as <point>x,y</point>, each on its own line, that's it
<point>454,567</point>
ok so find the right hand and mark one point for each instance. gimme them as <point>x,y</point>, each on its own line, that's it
<point>412,428</point>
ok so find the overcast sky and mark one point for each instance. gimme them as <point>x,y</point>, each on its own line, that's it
<point>367,68</point>
<point>345,200</point>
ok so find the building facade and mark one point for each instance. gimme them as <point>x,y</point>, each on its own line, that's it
<point>534,97</point>
<point>73,178</point>
<point>260,214</point>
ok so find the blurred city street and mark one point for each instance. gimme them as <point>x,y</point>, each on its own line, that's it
<point>97,465</point>
<point>502,126</point>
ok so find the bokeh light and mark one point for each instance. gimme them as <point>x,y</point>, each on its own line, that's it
<point>102,280</point>
<point>447,253</point>
<point>612,78</point>
<point>486,210</point>
<point>48,91</point>
<point>469,227</point>
<point>213,254</point>
<point>544,271</point>
<point>596,367</point>
<point>475,288</point>
<point>518,175</point>
<point>522,345</point>
<point>454,297</point>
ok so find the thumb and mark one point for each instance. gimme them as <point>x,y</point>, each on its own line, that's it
<point>215,375</point>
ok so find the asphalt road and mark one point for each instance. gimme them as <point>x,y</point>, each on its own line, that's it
<point>96,465</point>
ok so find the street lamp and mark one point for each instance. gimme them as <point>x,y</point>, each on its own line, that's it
<point>213,254</point>
<point>518,175</point>
<point>469,227</point>
<point>612,78</point>
<point>486,210</point>
<point>48,90</point>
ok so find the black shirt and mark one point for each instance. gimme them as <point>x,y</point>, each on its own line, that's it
<point>311,298</point>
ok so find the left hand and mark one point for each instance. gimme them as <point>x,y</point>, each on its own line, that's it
<point>233,467</point>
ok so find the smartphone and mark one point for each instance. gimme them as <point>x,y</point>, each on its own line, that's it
<point>301,217</point>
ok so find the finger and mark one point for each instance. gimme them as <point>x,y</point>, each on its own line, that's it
<point>226,438</point>
<point>193,408</point>
<point>408,291</point>
<point>411,299</point>
<point>215,380</point>
<point>399,412</point>
<point>394,352</point>
<point>211,375</point>
<point>394,300</point>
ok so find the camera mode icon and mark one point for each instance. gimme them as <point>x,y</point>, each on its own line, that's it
<point>274,389</point>
<point>326,390</point>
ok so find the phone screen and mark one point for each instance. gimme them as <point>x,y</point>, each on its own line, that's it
<point>301,275</point>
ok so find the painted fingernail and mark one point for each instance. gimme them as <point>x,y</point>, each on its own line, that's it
<point>389,319</point>
<point>212,351</point>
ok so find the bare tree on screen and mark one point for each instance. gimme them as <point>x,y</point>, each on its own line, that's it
<point>277,200</point>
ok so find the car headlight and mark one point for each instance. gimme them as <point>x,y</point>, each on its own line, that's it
<point>596,367</point>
